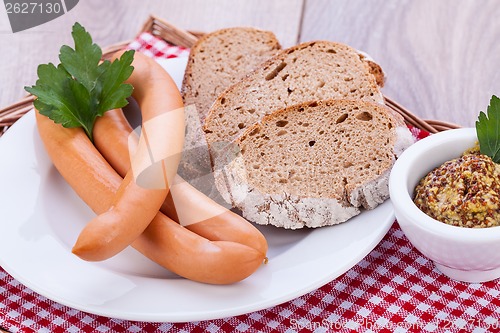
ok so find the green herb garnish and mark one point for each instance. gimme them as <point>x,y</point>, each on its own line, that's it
<point>488,130</point>
<point>80,89</point>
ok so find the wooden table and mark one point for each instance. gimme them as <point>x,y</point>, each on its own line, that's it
<point>442,58</point>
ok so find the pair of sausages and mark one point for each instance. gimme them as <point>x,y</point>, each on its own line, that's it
<point>213,245</point>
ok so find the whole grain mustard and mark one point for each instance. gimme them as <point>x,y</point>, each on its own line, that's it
<point>463,192</point>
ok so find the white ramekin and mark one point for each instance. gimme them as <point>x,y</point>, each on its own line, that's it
<point>464,254</point>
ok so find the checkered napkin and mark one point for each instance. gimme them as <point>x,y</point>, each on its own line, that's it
<point>157,48</point>
<point>393,289</point>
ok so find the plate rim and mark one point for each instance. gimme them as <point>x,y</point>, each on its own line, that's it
<point>381,231</point>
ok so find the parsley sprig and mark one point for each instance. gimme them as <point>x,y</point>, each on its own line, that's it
<point>81,88</point>
<point>488,130</point>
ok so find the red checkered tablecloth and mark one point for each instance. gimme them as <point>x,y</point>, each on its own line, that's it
<point>393,289</point>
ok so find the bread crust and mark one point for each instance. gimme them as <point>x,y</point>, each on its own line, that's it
<point>281,210</point>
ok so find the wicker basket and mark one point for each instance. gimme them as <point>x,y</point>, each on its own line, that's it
<point>176,36</point>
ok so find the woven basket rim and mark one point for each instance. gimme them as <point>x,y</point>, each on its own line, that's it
<point>177,36</point>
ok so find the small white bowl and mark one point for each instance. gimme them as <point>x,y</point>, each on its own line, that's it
<point>464,254</point>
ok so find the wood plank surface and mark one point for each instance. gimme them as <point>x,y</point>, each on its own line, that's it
<point>441,57</point>
<point>112,21</point>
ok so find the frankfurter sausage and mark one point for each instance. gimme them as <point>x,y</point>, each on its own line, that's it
<point>163,241</point>
<point>162,136</point>
<point>184,203</point>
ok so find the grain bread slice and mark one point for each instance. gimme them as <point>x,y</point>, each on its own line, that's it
<point>222,58</point>
<point>313,164</point>
<point>309,71</point>
<point>216,61</point>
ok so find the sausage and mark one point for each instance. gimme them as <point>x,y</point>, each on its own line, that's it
<point>154,165</point>
<point>163,241</point>
<point>184,203</point>
<point>113,230</point>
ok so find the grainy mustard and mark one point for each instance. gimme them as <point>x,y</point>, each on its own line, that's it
<point>463,192</point>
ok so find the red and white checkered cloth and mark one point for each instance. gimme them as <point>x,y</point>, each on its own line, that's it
<point>157,48</point>
<point>393,289</point>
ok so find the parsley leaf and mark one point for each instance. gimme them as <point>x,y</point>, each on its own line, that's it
<point>488,130</point>
<point>80,88</point>
<point>83,61</point>
<point>112,92</point>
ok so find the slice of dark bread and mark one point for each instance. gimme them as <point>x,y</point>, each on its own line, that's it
<point>313,164</point>
<point>221,58</point>
<point>217,60</point>
<point>310,71</point>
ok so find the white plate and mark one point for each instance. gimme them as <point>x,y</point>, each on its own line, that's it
<point>41,217</point>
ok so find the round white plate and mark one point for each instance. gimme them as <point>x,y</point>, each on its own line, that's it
<point>41,217</point>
